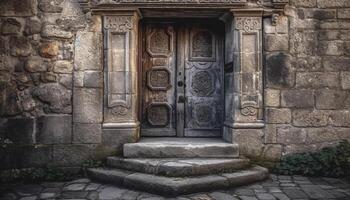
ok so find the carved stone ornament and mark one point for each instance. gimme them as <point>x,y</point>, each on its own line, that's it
<point>118,23</point>
<point>248,24</point>
<point>97,2</point>
<point>120,110</point>
<point>249,109</point>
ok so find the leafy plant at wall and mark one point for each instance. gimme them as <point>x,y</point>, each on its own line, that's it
<point>330,161</point>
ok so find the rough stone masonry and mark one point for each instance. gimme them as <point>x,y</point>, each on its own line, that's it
<point>51,50</point>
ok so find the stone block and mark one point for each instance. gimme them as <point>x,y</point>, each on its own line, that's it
<point>51,6</point>
<point>304,3</point>
<point>310,118</point>
<point>329,35</point>
<point>344,13</point>
<point>279,70</point>
<point>11,27</point>
<point>282,25</point>
<point>330,48</point>
<point>333,4</point>
<point>303,43</point>
<point>73,154</point>
<point>48,77</point>
<point>33,26</point>
<point>336,64</point>
<point>345,80</point>
<point>291,135</point>
<point>17,157</point>
<point>322,14</point>
<point>347,48</point>
<point>35,64</point>
<point>342,133</point>
<point>88,51</point>
<point>118,137</point>
<point>268,27</point>
<point>278,115</point>
<point>17,8</point>
<point>334,25</point>
<point>308,64</point>
<point>63,67</point>
<point>49,49</point>
<point>9,104</point>
<point>276,42</point>
<point>317,79</point>
<point>20,46</point>
<point>56,32</point>
<point>66,80</point>
<point>340,118</point>
<point>250,141</point>
<point>87,133</point>
<point>18,130</point>
<point>93,79</point>
<point>319,135</point>
<point>272,152</point>
<point>87,104</point>
<point>345,34</point>
<point>57,96</point>
<point>272,98</point>
<point>78,79</point>
<point>54,129</point>
<point>297,98</point>
<point>331,99</point>
<point>270,133</point>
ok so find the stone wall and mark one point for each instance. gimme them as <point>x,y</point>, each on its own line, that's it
<point>37,51</point>
<point>51,83</point>
<point>307,94</point>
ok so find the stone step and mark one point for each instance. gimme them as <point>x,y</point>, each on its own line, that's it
<point>173,186</point>
<point>178,167</point>
<point>181,148</point>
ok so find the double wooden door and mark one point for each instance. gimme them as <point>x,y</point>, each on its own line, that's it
<point>182,79</point>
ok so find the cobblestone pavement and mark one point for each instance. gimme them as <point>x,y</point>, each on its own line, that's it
<point>277,187</point>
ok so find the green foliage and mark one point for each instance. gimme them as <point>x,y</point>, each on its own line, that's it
<point>330,162</point>
<point>90,164</point>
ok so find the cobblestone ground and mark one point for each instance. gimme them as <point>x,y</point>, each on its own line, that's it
<point>277,187</point>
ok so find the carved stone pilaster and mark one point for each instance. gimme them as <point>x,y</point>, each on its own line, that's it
<point>120,47</point>
<point>247,97</point>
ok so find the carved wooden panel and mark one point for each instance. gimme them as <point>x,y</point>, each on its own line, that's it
<point>202,45</point>
<point>158,68</point>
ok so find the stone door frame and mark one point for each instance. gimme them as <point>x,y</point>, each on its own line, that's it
<point>244,86</point>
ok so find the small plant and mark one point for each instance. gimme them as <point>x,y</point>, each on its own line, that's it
<point>90,164</point>
<point>330,161</point>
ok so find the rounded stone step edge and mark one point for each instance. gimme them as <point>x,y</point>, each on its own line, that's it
<point>174,186</point>
<point>178,167</point>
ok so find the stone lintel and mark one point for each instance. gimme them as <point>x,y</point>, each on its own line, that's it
<point>126,125</point>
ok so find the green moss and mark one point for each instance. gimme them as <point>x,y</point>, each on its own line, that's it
<point>330,162</point>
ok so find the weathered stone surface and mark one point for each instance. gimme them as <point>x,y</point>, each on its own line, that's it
<point>270,135</point>
<point>303,43</point>
<point>35,64</point>
<point>278,115</point>
<point>55,31</point>
<point>291,135</point>
<point>72,155</point>
<point>272,152</point>
<point>88,49</point>
<point>331,99</point>
<point>308,118</point>
<point>177,147</point>
<point>9,102</point>
<point>344,13</point>
<point>309,64</point>
<point>331,48</point>
<point>48,77</point>
<point>51,6</point>
<point>250,141</point>
<point>279,72</point>
<point>319,135</point>
<point>18,130</point>
<point>11,26</point>
<point>345,80</point>
<point>333,4</point>
<point>54,129</point>
<point>317,79</point>
<point>63,67</point>
<point>18,8</point>
<point>87,105</point>
<point>20,46</point>
<point>93,79</point>
<point>49,49</point>
<point>297,98</point>
<point>304,3</point>
<point>33,26</point>
<point>336,64</point>
<point>58,97</point>
<point>329,35</point>
<point>276,42</point>
<point>340,118</point>
<point>272,98</point>
<point>87,133</point>
<point>66,80</point>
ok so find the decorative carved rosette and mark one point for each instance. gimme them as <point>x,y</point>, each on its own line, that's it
<point>248,24</point>
<point>120,23</point>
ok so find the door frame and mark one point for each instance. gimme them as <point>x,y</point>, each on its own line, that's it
<point>180,126</point>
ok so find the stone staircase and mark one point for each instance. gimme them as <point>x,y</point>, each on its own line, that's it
<point>175,166</point>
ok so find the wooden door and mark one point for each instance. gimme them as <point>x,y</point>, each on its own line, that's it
<point>182,80</point>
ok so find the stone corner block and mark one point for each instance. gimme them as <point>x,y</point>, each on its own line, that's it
<point>87,105</point>
<point>278,115</point>
<point>87,133</point>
